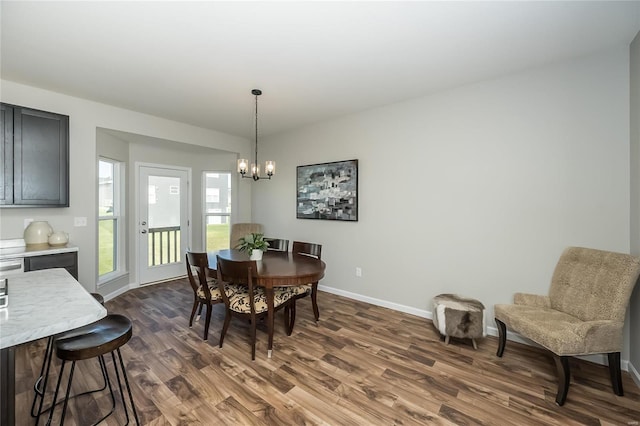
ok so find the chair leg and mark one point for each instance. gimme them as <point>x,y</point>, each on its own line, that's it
<point>200,305</point>
<point>126,382</point>
<point>314,300</point>
<point>253,339</point>
<point>193,312</point>
<point>66,397</point>
<point>502,337</point>
<point>43,378</point>
<point>207,322</point>
<point>292,319</point>
<point>225,326</point>
<point>564,375</point>
<point>616,374</point>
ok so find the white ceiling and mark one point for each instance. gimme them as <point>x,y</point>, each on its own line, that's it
<point>197,62</point>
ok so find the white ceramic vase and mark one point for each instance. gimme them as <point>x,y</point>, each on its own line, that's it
<point>58,238</point>
<point>256,254</point>
<point>37,233</point>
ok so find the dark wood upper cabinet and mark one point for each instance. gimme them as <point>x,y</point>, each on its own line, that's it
<point>35,158</point>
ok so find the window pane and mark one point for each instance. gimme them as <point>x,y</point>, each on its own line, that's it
<point>217,199</point>
<point>106,246</point>
<point>217,232</point>
<point>105,188</point>
<point>164,220</point>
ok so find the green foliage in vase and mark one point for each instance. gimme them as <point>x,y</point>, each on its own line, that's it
<point>251,242</point>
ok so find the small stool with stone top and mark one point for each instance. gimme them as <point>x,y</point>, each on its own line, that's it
<point>457,316</point>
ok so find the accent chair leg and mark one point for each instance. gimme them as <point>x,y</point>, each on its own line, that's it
<point>502,337</point>
<point>446,340</point>
<point>616,374</point>
<point>564,375</point>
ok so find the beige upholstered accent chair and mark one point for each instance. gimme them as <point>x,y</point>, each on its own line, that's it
<point>239,230</point>
<point>582,315</point>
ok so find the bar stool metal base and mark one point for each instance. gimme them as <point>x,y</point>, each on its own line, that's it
<point>91,341</point>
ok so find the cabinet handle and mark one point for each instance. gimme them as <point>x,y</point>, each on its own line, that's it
<point>11,267</point>
<point>144,231</point>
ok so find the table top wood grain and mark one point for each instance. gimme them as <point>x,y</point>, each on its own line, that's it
<point>277,268</point>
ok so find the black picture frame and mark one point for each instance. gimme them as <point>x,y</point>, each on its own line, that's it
<point>327,191</point>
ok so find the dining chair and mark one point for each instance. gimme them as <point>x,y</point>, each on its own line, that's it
<point>205,289</point>
<point>251,302</point>
<point>311,250</point>
<point>239,230</point>
<point>276,244</point>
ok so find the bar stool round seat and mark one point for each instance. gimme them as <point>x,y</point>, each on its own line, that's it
<point>96,340</point>
<point>41,381</point>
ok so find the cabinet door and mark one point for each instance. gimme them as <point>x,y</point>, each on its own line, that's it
<point>68,261</point>
<point>6,156</point>
<point>41,158</point>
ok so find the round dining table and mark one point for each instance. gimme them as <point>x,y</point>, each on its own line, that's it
<point>277,268</point>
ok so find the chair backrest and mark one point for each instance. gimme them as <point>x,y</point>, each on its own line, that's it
<point>199,263</point>
<point>309,249</point>
<point>276,244</point>
<point>593,284</point>
<point>236,272</point>
<point>239,230</point>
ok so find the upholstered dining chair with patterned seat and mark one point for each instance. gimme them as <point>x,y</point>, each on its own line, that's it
<point>205,289</point>
<point>582,315</point>
<point>251,302</point>
<point>239,230</point>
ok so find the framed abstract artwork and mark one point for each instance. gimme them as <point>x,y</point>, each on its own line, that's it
<point>328,191</point>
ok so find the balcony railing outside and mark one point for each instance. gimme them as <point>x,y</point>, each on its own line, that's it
<point>164,245</point>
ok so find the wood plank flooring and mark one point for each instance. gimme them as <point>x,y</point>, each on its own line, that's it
<point>362,365</point>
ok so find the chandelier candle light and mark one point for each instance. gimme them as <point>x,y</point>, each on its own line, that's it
<point>269,166</point>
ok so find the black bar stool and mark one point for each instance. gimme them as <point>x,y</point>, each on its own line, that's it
<point>41,382</point>
<point>91,341</point>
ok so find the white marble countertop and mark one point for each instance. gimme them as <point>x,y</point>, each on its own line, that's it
<point>28,251</point>
<point>43,303</point>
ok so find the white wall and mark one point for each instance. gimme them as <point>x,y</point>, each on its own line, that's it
<point>635,202</point>
<point>85,118</point>
<point>475,190</point>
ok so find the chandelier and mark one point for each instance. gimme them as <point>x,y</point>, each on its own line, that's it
<point>243,163</point>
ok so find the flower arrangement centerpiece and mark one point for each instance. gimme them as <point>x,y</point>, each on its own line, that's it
<point>254,245</point>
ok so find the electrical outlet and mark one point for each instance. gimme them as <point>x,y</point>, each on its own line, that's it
<point>358,271</point>
<point>79,221</point>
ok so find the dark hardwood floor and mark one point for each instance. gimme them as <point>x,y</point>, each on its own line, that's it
<point>362,365</point>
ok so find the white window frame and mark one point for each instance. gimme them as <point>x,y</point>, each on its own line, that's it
<point>205,213</point>
<point>118,216</point>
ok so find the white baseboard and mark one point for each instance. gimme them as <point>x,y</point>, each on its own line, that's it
<point>378,302</point>
<point>634,373</point>
<point>119,291</point>
<point>491,331</point>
